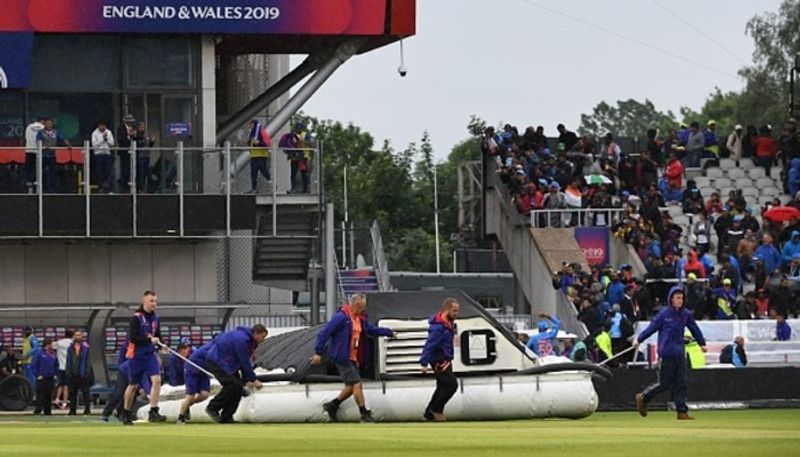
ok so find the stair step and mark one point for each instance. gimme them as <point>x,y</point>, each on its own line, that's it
<point>280,270</point>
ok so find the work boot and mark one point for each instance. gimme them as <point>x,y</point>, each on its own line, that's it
<point>182,420</point>
<point>366,416</point>
<point>685,417</point>
<point>641,405</point>
<point>428,415</point>
<point>439,417</point>
<point>154,416</point>
<point>331,408</point>
<point>127,417</point>
<point>104,418</point>
<point>213,415</point>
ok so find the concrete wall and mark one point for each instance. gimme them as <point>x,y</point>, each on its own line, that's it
<point>91,273</point>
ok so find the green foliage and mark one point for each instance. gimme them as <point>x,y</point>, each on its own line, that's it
<point>630,118</point>
<point>724,108</point>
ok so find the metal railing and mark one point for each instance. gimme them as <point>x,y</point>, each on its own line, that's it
<point>578,217</point>
<point>379,262</point>
<point>179,171</point>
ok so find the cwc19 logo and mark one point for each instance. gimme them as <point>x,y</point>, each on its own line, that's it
<point>593,252</point>
<point>3,79</point>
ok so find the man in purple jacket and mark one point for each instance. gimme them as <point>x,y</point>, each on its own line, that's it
<point>438,353</point>
<point>670,323</point>
<point>45,367</point>
<point>345,336</point>
<point>231,353</point>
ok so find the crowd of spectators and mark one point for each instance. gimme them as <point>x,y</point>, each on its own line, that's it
<point>637,187</point>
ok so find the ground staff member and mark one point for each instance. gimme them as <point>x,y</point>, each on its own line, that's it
<point>438,353</point>
<point>198,384</point>
<point>115,401</point>
<point>144,334</point>
<point>345,336</point>
<point>45,367</point>
<point>231,353</point>
<point>670,324</point>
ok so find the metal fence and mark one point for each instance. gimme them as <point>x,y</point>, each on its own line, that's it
<point>563,218</point>
<point>135,172</point>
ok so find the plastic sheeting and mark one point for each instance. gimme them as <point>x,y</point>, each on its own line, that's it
<point>567,394</point>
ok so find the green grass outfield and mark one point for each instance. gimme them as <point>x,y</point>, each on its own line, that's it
<point>714,433</point>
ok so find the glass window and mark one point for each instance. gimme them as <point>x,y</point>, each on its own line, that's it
<point>76,63</point>
<point>12,118</point>
<point>159,61</point>
<point>74,115</point>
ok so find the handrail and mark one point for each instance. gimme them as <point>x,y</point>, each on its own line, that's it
<point>379,262</point>
<point>579,217</point>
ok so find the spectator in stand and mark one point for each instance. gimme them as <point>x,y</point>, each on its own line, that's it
<point>555,199</point>
<point>615,291</point>
<point>646,173</point>
<point>766,148</point>
<point>783,332</point>
<point>710,139</point>
<point>734,143</point>
<point>726,297</point>
<point>694,146</point>
<point>611,150</point>
<point>621,330</point>
<point>674,172</point>
<point>734,353</point>
<point>589,315</point>
<point>143,142</point>
<point>693,265</point>
<point>293,145</point>
<point>50,139</point>
<point>714,205</point>
<point>32,147</point>
<point>793,177</point>
<point>655,147</point>
<point>791,248</point>
<point>769,254</point>
<point>788,230</point>
<point>260,142</point>
<point>565,137</point>
<point>748,142</point>
<point>734,234</point>
<point>102,142</point>
<point>125,136</point>
<point>692,199</point>
<point>790,142</point>
<point>673,145</point>
<point>760,273</point>
<point>782,299</point>
<point>794,268</point>
<point>701,232</point>
<point>745,250</point>
<point>45,367</point>
<point>695,295</point>
<point>748,309</point>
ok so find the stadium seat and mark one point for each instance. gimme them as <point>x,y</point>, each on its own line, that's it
<point>714,173</point>
<point>756,173</point>
<point>749,191</point>
<point>707,191</point>
<point>76,156</point>
<point>746,164</point>
<point>675,211</point>
<point>785,199</point>
<point>702,181</point>
<point>762,201</point>
<point>744,183</point>
<point>725,191</point>
<point>751,200</point>
<point>765,182</point>
<point>776,172</point>
<point>736,173</point>
<point>722,182</point>
<point>770,191</point>
<point>683,221</point>
<point>12,156</point>
<point>727,164</point>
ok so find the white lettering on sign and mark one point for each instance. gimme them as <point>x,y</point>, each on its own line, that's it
<point>593,252</point>
<point>3,79</point>
<point>248,13</point>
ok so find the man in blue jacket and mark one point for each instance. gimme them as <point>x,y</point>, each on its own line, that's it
<point>175,368</point>
<point>345,337</point>
<point>45,367</point>
<point>198,384</point>
<point>769,254</point>
<point>79,370</point>
<point>791,248</point>
<point>438,353</point>
<point>232,353</point>
<point>544,343</point>
<point>670,323</point>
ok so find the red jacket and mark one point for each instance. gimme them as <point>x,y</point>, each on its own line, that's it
<point>766,146</point>
<point>675,173</point>
<point>694,266</point>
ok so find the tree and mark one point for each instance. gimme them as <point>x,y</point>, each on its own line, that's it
<point>630,118</point>
<point>724,108</point>
<point>777,42</point>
